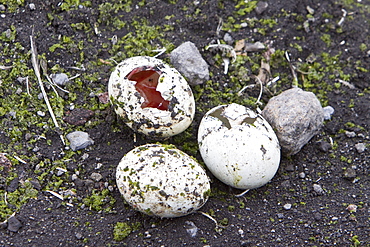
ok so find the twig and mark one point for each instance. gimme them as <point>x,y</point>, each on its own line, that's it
<point>211,218</point>
<point>160,51</point>
<point>340,22</point>
<point>20,160</point>
<point>37,73</point>
<point>295,78</point>
<point>55,194</point>
<point>242,194</point>
<point>5,67</point>
<point>28,86</point>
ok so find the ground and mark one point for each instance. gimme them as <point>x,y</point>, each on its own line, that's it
<point>319,197</point>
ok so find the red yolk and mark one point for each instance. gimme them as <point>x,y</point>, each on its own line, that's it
<point>146,85</point>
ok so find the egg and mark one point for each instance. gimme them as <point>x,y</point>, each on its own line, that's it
<point>151,97</point>
<point>162,181</point>
<point>238,146</point>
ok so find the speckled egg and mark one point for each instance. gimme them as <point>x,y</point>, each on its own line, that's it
<point>238,146</point>
<point>151,97</point>
<point>162,181</point>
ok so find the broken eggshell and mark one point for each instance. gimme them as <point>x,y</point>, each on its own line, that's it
<point>163,181</point>
<point>151,97</point>
<point>238,146</point>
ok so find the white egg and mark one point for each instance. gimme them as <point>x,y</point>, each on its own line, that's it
<point>162,181</point>
<point>238,146</point>
<point>151,97</point>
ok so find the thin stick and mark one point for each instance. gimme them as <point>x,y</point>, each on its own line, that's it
<point>37,73</point>
<point>295,78</point>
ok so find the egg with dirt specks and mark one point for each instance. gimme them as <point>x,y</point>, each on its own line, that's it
<point>151,97</point>
<point>163,181</point>
<point>238,146</point>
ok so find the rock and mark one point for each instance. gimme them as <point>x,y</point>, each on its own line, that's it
<point>261,7</point>
<point>349,174</point>
<point>78,116</point>
<point>350,134</point>
<point>258,46</point>
<point>296,116</point>
<point>228,39</point>
<point>60,79</point>
<point>287,206</point>
<point>78,236</point>
<point>189,62</point>
<point>191,228</point>
<point>360,147</point>
<point>324,146</point>
<point>14,224</point>
<point>96,176</point>
<point>79,140</point>
<point>328,111</point>
<point>13,185</point>
<point>318,189</point>
<point>302,175</point>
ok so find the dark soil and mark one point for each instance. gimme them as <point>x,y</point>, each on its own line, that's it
<point>260,218</point>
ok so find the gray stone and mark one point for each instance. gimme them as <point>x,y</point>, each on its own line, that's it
<point>349,173</point>
<point>191,228</point>
<point>318,189</point>
<point>228,39</point>
<point>60,79</point>
<point>261,7</point>
<point>296,116</point>
<point>14,224</point>
<point>328,111</point>
<point>189,62</point>
<point>360,147</point>
<point>96,176</point>
<point>79,140</point>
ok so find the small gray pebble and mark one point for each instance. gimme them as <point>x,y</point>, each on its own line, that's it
<point>349,173</point>
<point>60,79</point>
<point>188,61</point>
<point>324,146</point>
<point>350,134</point>
<point>261,7</point>
<point>2,7</point>
<point>228,39</point>
<point>318,189</point>
<point>317,216</point>
<point>32,6</point>
<point>280,215</point>
<point>360,147</point>
<point>14,224</point>
<point>289,168</point>
<point>78,236</point>
<point>287,206</point>
<point>302,175</point>
<point>96,176</point>
<point>328,111</point>
<point>79,140</point>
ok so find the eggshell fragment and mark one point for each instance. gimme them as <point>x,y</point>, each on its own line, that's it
<point>162,181</point>
<point>238,146</point>
<point>151,97</point>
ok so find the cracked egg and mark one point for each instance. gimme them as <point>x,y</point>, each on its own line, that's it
<point>151,97</point>
<point>163,181</point>
<point>238,146</point>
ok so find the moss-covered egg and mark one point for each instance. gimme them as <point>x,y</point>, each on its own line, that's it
<point>151,97</point>
<point>163,181</point>
<point>238,146</point>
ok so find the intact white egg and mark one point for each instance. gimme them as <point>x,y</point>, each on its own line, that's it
<point>151,97</point>
<point>162,181</point>
<point>238,146</point>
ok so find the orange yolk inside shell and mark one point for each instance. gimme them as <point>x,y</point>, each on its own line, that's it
<point>146,85</point>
